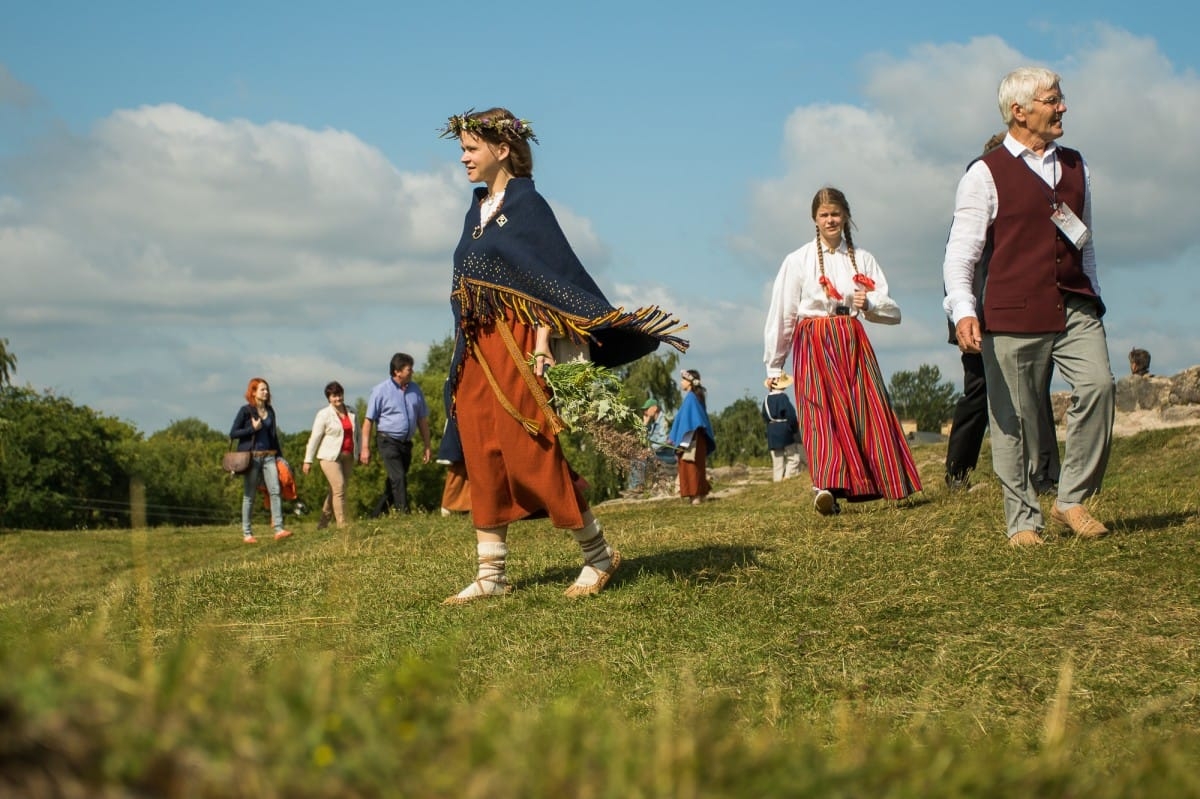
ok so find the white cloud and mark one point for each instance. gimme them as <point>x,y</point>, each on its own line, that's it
<point>170,215</point>
<point>157,261</point>
<point>899,156</point>
<point>166,257</point>
<point>163,258</point>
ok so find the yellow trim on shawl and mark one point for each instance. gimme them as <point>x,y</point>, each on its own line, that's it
<point>479,301</point>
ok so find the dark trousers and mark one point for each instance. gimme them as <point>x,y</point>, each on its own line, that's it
<point>397,457</point>
<point>971,421</point>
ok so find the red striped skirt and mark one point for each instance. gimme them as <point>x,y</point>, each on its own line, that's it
<point>855,445</point>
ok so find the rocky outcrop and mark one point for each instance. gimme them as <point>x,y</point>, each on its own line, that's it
<point>1146,402</point>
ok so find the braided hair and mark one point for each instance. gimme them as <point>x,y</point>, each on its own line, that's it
<point>828,195</point>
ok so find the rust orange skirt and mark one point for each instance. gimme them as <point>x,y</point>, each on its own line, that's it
<point>456,492</point>
<point>512,475</point>
<point>693,475</point>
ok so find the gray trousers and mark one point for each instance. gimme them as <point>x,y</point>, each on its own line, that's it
<point>1017,370</point>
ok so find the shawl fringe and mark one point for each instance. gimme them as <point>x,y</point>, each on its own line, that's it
<point>482,302</point>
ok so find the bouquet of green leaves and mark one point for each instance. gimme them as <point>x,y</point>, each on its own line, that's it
<point>592,400</point>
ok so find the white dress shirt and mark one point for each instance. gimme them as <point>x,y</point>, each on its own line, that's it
<point>975,206</point>
<point>798,294</point>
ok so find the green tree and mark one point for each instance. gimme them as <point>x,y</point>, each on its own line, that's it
<point>192,429</point>
<point>8,364</point>
<point>654,376</point>
<point>177,466</point>
<point>923,397</point>
<point>437,360</point>
<point>65,466</point>
<point>740,433</point>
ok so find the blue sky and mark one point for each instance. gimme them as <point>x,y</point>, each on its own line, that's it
<point>192,196</point>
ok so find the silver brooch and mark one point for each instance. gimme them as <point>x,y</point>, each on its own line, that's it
<point>502,220</point>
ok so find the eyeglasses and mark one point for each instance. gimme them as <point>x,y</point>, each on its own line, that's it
<point>1054,101</point>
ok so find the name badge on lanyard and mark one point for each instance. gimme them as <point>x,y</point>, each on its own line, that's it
<point>1071,226</point>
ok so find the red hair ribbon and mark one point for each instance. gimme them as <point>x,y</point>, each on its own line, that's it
<point>830,291</point>
<point>863,281</point>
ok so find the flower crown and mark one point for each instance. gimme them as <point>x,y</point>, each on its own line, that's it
<point>505,127</point>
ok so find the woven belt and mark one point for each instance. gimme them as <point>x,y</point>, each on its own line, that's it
<point>532,426</point>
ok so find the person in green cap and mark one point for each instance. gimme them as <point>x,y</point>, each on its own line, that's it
<point>656,434</point>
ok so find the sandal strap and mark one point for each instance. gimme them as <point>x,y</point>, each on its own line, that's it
<point>604,554</point>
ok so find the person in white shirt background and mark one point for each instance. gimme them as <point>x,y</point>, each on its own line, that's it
<point>334,442</point>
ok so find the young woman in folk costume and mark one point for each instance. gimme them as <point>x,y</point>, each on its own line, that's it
<point>692,434</point>
<point>856,448</point>
<point>517,285</point>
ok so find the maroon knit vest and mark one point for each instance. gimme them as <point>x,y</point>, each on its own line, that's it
<point>1033,266</point>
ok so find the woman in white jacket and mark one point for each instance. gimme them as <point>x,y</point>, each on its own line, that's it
<point>335,443</point>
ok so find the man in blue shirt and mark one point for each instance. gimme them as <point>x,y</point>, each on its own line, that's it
<point>396,409</point>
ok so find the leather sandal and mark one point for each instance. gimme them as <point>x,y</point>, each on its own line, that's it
<point>484,592</point>
<point>577,590</point>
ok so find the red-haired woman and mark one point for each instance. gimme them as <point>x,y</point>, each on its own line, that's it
<point>256,431</point>
<point>856,448</point>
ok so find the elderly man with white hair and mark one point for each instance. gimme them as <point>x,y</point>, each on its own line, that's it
<point>1031,199</point>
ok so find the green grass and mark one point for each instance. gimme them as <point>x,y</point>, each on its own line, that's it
<point>747,647</point>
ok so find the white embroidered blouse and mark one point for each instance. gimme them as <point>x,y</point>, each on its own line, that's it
<point>798,294</point>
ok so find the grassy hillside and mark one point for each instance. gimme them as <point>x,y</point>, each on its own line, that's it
<point>747,647</point>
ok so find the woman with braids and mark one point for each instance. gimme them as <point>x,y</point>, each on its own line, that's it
<point>855,446</point>
<point>518,287</point>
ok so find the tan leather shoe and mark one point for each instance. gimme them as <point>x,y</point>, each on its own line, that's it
<point>1082,523</point>
<point>1025,538</point>
<point>605,575</point>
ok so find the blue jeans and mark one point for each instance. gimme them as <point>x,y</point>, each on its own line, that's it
<point>262,468</point>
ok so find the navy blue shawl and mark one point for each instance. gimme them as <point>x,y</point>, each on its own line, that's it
<point>523,262</point>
